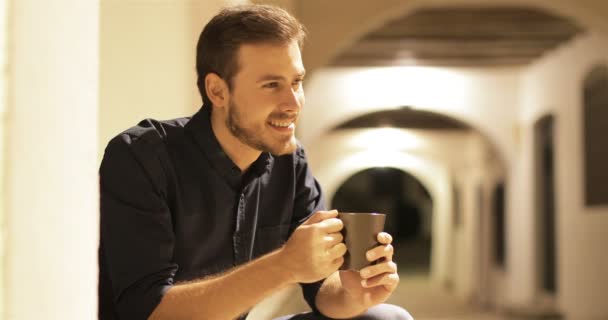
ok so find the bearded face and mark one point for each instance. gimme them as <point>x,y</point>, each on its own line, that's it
<point>266,97</point>
<point>274,135</point>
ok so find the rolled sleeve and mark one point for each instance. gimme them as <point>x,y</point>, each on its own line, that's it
<point>137,238</point>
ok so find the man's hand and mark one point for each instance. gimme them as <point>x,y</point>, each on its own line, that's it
<point>315,249</point>
<point>374,284</point>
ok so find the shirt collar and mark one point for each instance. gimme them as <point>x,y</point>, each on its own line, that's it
<point>200,129</point>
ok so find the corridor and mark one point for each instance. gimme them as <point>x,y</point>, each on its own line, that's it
<point>427,301</point>
<point>495,111</point>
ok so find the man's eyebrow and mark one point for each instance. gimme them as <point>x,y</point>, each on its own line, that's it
<point>271,77</point>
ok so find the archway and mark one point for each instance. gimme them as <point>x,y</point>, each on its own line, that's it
<point>407,205</point>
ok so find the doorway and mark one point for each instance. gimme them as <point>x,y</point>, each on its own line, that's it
<point>545,203</point>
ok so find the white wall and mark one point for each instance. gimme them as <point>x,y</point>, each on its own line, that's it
<point>554,85</point>
<point>465,238</point>
<point>3,85</point>
<point>484,98</point>
<point>51,182</point>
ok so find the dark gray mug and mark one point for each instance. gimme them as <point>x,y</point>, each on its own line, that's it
<point>360,235</point>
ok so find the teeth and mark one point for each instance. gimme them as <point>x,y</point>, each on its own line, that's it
<point>281,124</point>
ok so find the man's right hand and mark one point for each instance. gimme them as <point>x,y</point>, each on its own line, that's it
<point>315,249</point>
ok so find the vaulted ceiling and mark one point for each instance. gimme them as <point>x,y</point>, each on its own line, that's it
<point>405,117</point>
<point>461,37</point>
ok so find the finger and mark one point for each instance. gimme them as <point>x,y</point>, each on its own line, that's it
<point>389,280</point>
<point>377,269</point>
<point>337,263</point>
<point>337,251</point>
<point>331,225</point>
<point>384,251</point>
<point>384,238</point>
<point>333,239</point>
<point>320,216</point>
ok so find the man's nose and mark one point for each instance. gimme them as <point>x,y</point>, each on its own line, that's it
<point>293,100</point>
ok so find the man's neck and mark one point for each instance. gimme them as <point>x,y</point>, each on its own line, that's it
<point>241,154</point>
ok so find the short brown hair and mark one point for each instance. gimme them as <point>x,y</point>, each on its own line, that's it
<point>232,27</point>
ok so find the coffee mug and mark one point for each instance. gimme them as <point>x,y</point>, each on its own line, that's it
<point>360,235</point>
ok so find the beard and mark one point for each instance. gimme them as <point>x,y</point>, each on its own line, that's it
<point>256,136</point>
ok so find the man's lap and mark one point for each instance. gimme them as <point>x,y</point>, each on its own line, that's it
<point>379,312</point>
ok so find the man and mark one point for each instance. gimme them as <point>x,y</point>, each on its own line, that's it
<point>203,217</point>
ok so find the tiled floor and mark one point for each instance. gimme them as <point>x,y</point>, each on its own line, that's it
<point>424,302</point>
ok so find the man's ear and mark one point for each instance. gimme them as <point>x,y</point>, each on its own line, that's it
<point>216,89</point>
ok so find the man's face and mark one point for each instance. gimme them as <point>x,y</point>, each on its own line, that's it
<point>266,97</point>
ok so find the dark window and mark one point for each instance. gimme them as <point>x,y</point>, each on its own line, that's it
<point>499,225</point>
<point>544,131</point>
<point>595,100</point>
<point>456,210</point>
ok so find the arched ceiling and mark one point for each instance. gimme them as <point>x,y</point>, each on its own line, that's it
<point>405,117</point>
<point>463,36</point>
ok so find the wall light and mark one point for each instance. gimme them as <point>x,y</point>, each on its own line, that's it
<point>385,139</point>
<point>398,86</point>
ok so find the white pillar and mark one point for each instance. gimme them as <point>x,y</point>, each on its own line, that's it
<point>51,169</point>
<point>3,71</point>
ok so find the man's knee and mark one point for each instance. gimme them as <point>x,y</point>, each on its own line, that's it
<point>385,312</point>
<point>379,312</point>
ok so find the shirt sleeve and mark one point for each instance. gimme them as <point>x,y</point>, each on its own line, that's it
<point>309,199</point>
<point>137,237</point>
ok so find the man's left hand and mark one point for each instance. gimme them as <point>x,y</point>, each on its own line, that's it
<point>373,284</point>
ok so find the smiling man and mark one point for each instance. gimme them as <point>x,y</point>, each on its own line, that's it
<point>203,217</point>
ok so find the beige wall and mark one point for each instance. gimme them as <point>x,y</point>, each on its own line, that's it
<point>3,84</point>
<point>554,85</point>
<point>147,60</point>
<point>289,5</point>
<point>51,182</point>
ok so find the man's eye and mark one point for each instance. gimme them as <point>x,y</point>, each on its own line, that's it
<point>297,84</point>
<point>271,85</point>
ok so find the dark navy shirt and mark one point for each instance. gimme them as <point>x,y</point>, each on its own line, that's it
<point>174,208</point>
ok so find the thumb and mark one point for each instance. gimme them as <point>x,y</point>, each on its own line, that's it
<point>320,216</point>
